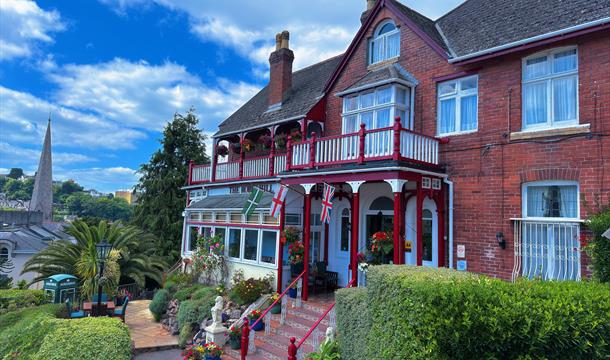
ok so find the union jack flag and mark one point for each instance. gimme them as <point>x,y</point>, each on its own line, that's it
<point>327,204</point>
<point>278,201</point>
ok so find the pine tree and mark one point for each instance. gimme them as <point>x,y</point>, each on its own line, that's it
<point>161,203</point>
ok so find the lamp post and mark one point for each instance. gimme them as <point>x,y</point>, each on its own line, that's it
<point>103,249</point>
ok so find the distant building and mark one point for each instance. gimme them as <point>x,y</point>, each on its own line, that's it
<point>94,193</point>
<point>128,195</point>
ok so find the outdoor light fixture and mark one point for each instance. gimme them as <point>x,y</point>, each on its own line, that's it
<point>103,249</point>
<point>501,240</point>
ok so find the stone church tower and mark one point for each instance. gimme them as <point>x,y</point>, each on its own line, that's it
<point>42,196</point>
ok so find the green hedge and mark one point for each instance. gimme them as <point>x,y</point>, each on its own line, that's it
<point>599,248</point>
<point>158,305</point>
<point>353,321</point>
<point>422,313</point>
<point>11,300</point>
<point>88,338</point>
<point>22,332</point>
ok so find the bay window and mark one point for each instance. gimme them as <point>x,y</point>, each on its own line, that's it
<point>385,43</point>
<point>550,89</point>
<point>376,108</point>
<point>457,106</point>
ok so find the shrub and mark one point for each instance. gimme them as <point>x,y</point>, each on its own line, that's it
<point>353,321</point>
<point>23,331</point>
<point>186,334</point>
<point>177,281</point>
<point>599,249</point>
<point>187,314</point>
<point>14,299</point>
<point>421,313</point>
<point>158,305</point>
<point>204,293</point>
<point>87,338</point>
<point>249,290</point>
<point>187,292</point>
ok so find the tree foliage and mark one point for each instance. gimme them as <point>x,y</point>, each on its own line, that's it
<point>85,205</point>
<point>162,201</point>
<point>136,260</point>
<point>599,248</point>
<point>15,173</point>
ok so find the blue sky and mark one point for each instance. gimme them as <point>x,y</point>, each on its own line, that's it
<point>112,72</point>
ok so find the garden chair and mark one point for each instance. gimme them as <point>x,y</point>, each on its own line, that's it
<point>104,298</point>
<point>74,314</point>
<point>120,312</point>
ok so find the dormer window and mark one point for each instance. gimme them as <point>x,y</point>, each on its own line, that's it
<point>385,43</point>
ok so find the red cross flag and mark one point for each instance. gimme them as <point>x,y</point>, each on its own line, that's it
<point>278,201</point>
<point>327,204</point>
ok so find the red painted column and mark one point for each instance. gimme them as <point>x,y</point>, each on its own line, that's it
<point>403,228</point>
<point>280,255</point>
<point>397,227</point>
<point>306,243</point>
<point>214,161</point>
<point>288,153</point>
<point>242,154</point>
<point>354,245</point>
<point>418,214</point>
<point>361,135</point>
<point>271,159</point>
<point>312,150</point>
<point>190,174</point>
<point>326,243</point>
<point>397,127</point>
<point>440,206</point>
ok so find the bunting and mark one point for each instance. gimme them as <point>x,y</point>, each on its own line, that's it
<point>278,201</point>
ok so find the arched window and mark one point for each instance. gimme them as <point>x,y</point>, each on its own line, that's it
<point>427,235</point>
<point>4,253</point>
<point>382,203</point>
<point>385,43</point>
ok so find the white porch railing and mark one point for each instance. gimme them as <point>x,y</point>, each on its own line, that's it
<point>547,249</point>
<point>200,173</point>
<point>258,167</point>
<point>229,170</point>
<point>379,143</point>
<point>418,147</point>
<point>279,163</point>
<point>336,149</point>
<point>300,154</point>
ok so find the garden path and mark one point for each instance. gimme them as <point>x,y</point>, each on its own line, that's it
<point>147,334</point>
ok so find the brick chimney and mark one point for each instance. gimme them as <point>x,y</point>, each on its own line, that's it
<point>280,64</point>
<point>369,6</point>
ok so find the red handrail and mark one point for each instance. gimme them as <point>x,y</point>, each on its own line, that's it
<point>292,348</point>
<point>246,331</point>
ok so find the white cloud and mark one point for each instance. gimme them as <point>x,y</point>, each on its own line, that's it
<point>102,179</point>
<point>10,154</point>
<point>24,25</point>
<point>145,96</point>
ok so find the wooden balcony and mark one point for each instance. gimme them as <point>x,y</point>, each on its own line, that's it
<point>391,143</point>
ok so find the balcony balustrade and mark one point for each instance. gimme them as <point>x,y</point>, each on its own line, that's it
<point>390,143</point>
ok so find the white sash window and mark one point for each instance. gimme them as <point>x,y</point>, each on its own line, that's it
<point>458,106</point>
<point>385,43</point>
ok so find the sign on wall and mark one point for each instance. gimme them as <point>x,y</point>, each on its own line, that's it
<point>461,265</point>
<point>461,251</point>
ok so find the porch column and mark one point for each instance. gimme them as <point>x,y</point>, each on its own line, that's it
<point>280,255</point>
<point>306,237</point>
<point>214,160</point>
<point>440,206</point>
<point>397,185</point>
<point>241,156</point>
<point>418,214</point>
<point>326,243</point>
<point>353,249</point>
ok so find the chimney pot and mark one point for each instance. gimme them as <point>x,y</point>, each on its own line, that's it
<point>280,70</point>
<point>285,39</point>
<point>278,41</point>
<point>370,4</point>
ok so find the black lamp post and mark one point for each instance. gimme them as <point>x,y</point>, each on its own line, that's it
<point>103,249</point>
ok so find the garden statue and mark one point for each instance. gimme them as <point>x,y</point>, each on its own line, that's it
<point>216,332</point>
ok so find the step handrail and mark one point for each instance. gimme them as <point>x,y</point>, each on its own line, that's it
<point>292,348</point>
<point>245,334</point>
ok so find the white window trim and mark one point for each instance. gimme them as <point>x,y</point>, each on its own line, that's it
<point>458,95</point>
<point>241,243</point>
<point>242,260</point>
<point>549,183</point>
<point>548,79</point>
<point>383,37</point>
<point>393,106</point>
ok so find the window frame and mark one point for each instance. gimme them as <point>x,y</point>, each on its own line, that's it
<point>548,80</point>
<point>393,106</point>
<point>458,94</point>
<point>382,37</point>
<point>548,183</point>
<point>8,252</point>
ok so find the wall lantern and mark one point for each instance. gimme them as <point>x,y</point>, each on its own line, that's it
<point>501,240</point>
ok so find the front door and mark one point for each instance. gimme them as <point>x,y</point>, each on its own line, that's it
<point>429,233</point>
<point>339,246</point>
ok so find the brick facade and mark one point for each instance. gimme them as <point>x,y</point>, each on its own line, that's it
<point>487,167</point>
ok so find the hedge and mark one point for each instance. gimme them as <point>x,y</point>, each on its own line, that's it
<point>353,321</point>
<point>88,338</point>
<point>11,300</point>
<point>423,313</point>
<point>22,332</point>
<point>158,305</point>
<point>599,248</point>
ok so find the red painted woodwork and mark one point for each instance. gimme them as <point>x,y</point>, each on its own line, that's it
<point>271,157</point>
<point>292,349</point>
<point>190,173</point>
<point>361,133</point>
<point>289,153</point>
<point>280,255</point>
<point>312,150</point>
<point>248,226</point>
<point>397,127</point>
<point>397,228</point>
<point>326,243</point>
<point>418,215</point>
<point>440,206</point>
<point>245,338</point>
<point>306,242</point>
<point>354,245</point>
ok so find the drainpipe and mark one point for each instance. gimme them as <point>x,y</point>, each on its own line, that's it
<point>450,185</point>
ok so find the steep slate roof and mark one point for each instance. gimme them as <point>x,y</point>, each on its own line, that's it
<point>384,74</point>
<point>307,87</point>
<point>425,24</point>
<point>478,25</point>
<point>232,201</point>
<point>33,238</point>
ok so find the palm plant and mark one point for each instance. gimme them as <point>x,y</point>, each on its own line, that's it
<point>135,257</point>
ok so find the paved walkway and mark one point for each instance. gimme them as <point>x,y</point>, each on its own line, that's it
<point>145,332</point>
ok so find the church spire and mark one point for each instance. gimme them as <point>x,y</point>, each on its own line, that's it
<point>42,196</point>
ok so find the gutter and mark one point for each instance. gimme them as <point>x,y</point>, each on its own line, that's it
<point>531,39</point>
<point>450,184</point>
<point>298,117</point>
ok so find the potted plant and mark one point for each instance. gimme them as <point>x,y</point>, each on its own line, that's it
<point>193,352</point>
<point>290,235</point>
<point>212,351</point>
<point>247,145</point>
<point>277,308</point>
<point>264,141</point>
<point>296,251</point>
<point>381,247</point>
<point>280,141</point>
<point>222,150</point>
<point>235,337</point>
<point>236,148</point>
<point>296,136</point>
<point>252,317</point>
<point>292,292</point>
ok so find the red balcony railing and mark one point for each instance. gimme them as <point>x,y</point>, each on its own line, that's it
<point>389,143</point>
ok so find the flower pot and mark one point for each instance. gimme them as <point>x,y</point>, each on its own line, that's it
<point>208,357</point>
<point>292,292</point>
<point>235,343</point>
<point>225,317</point>
<point>276,309</point>
<point>297,269</point>
<point>258,327</point>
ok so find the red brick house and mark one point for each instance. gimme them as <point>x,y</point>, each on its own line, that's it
<point>480,140</point>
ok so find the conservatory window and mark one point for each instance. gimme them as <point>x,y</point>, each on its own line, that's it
<point>457,106</point>
<point>376,108</point>
<point>251,245</point>
<point>550,89</point>
<point>268,247</point>
<point>234,248</point>
<point>385,43</point>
